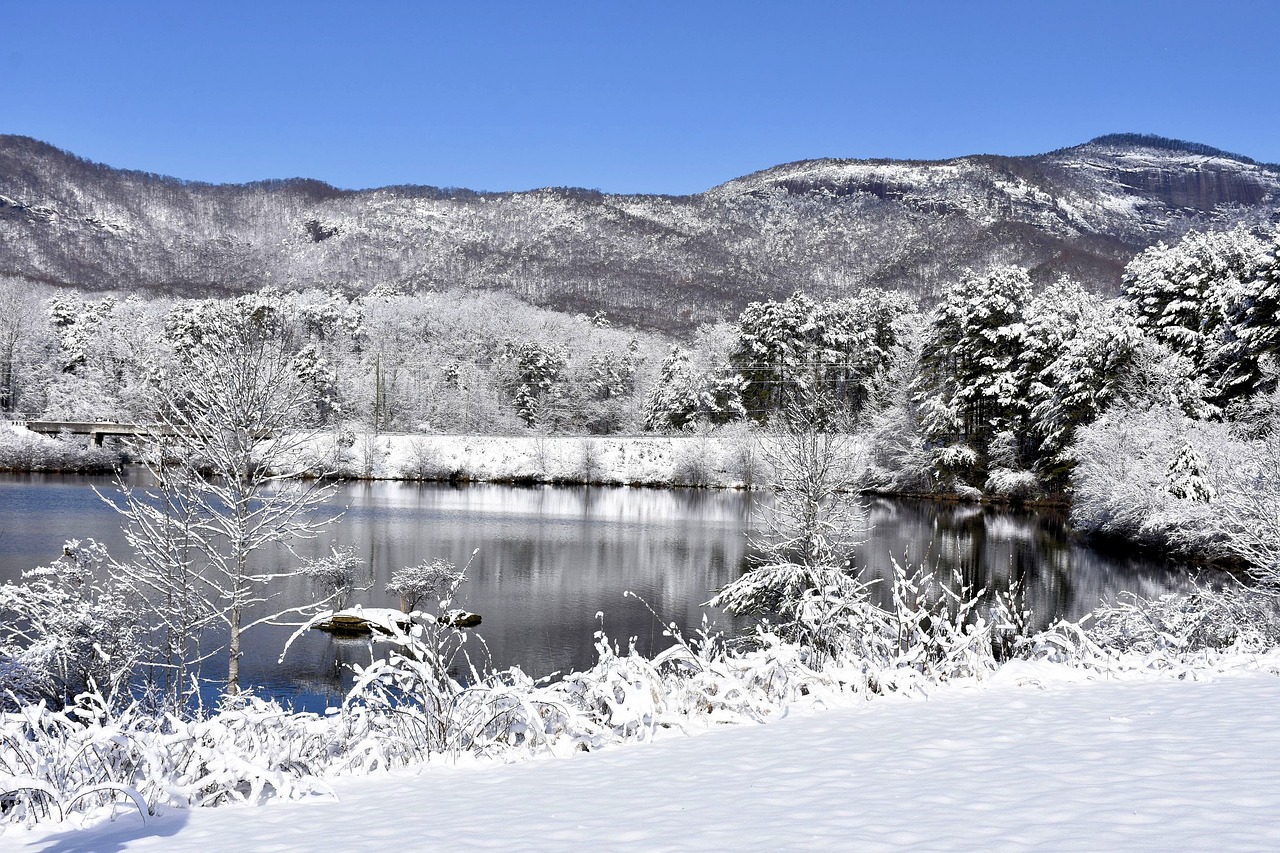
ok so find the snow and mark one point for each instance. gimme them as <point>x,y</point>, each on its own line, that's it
<point>632,460</point>
<point>1039,756</point>
<point>385,618</point>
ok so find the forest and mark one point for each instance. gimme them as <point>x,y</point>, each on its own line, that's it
<point>668,263</point>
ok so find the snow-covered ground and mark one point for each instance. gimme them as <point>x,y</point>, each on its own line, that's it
<point>732,460</point>
<point>1040,756</point>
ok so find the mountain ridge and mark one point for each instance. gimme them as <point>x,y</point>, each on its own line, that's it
<point>827,226</point>
<point>1131,139</point>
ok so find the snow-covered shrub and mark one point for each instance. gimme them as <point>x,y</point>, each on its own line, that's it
<point>1120,485</point>
<point>1198,488</point>
<point>438,579</point>
<point>21,450</point>
<point>692,465</point>
<point>1230,616</point>
<point>333,578</point>
<point>1245,505</point>
<point>66,627</point>
<point>590,465</point>
<point>423,460</point>
<point>1013,484</point>
<point>370,450</point>
<point>742,448</point>
<point>898,460</point>
<point>937,630</point>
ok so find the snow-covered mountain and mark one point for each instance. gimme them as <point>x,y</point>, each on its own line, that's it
<point>825,226</point>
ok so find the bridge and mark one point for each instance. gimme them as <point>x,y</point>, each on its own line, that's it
<point>95,430</point>
<point>98,430</point>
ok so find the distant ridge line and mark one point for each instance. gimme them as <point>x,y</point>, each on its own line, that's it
<point>319,190</point>
<point>1164,143</point>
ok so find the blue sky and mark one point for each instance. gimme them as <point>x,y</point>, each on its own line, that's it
<point>667,97</point>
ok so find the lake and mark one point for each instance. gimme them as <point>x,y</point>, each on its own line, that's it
<point>550,558</point>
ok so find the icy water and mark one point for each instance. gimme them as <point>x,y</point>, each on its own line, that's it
<point>551,558</point>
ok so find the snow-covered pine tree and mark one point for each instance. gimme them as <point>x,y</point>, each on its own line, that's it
<point>685,396</point>
<point>1185,476</point>
<point>1078,350</point>
<point>970,385</point>
<point>823,355</point>
<point>1257,322</point>
<point>1194,297</point>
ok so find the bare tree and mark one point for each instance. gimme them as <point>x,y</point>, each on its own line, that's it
<point>159,524</point>
<point>230,416</point>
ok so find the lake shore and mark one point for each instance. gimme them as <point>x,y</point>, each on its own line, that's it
<point>728,459</point>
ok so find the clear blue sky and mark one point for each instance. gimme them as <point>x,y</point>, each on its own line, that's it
<point>623,96</point>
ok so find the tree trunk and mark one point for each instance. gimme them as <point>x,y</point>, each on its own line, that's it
<point>233,654</point>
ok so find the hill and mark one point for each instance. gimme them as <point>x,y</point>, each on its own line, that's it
<point>667,262</point>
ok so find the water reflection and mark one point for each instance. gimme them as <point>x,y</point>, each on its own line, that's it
<point>992,548</point>
<point>550,558</point>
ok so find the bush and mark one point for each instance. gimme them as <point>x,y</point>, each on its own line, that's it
<point>21,450</point>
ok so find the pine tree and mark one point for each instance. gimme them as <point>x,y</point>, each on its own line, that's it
<point>1185,476</point>
<point>969,385</point>
<point>1194,297</point>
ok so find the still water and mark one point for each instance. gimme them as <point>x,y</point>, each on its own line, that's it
<point>551,558</point>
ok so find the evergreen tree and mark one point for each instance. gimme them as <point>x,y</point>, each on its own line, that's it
<point>969,385</point>
<point>1258,321</point>
<point>1195,297</point>
<point>1078,350</point>
<point>820,355</point>
<point>684,396</point>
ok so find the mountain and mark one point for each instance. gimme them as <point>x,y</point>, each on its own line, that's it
<point>824,226</point>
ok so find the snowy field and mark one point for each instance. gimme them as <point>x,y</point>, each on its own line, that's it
<point>1039,756</point>
<point>733,460</point>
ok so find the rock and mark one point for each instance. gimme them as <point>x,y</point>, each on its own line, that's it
<point>357,621</point>
<point>462,619</point>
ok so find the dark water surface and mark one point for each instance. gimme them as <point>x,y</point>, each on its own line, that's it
<point>550,558</point>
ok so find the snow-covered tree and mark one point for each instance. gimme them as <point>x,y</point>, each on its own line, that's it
<point>334,576</point>
<point>231,412</point>
<point>415,585</point>
<point>536,373</point>
<point>1079,349</point>
<point>1258,322</point>
<point>1195,297</point>
<point>804,571</point>
<point>970,380</point>
<point>684,396</point>
<point>809,353</point>
<point>1185,476</point>
<point>66,627</point>
<point>20,322</point>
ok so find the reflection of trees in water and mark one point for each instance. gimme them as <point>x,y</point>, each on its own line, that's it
<point>551,557</point>
<point>993,548</point>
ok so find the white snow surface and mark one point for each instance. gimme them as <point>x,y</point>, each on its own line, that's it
<point>1040,756</point>
<point>631,460</point>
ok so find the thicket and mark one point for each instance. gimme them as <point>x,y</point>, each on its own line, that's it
<point>384,362</point>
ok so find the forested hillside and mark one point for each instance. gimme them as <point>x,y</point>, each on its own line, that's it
<point>827,227</point>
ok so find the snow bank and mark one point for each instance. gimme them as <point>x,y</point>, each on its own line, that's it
<point>1040,757</point>
<point>24,450</point>
<point>720,461</point>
